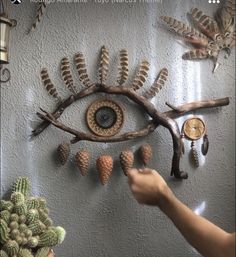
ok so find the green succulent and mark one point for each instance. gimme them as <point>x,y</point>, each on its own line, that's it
<point>26,229</point>
<point>3,253</point>
<point>42,252</point>
<point>5,215</point>
<point>22,185</point>
<point>6,205</point>
<point>4,232</point>
<point>23,252</point>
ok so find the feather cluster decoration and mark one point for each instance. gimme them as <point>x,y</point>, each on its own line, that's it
<point>82,70</point>
<point>66,75</point>
<point>141,75</point>
<point>158,84</point>
<point>123,67</point>
<point>49,85</point>
<point>211,35</point>
<point>40,13</point>
<point>104,65</point>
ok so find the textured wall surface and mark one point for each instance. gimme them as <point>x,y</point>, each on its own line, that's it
<point>107,221</point>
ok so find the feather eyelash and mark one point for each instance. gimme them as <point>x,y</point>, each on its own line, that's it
<point>67,76</point>
<point>82,70</point>
<point>49,85</point>
<point>141,75</point>
<point>158,84</point>
<point>123,67</point>
<point>104,65</point>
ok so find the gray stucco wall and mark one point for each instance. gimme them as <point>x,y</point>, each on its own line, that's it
<point>107,221</point>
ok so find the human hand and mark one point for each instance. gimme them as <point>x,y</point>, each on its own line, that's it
<point>51,254</point>
<point>147,186</point>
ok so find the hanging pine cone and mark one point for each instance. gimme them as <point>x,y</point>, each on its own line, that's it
<point>194,155</point>
<point>63,152</point>
<point>145,152</point>
<point>126,160</point>
<point>104,167</point>
<point>82,161</point>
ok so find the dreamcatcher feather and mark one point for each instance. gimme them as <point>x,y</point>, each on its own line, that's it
<point>67,76</point>
<point>182,147</point>
<point>158,84</point>
<point>104,65</point>
<point>39,16</point>
<point>141,75</point>
<point>123,69</point>
<point>49,85</point>
<point>205,145</point>
<point>213,36</point>
<point>82,70</point>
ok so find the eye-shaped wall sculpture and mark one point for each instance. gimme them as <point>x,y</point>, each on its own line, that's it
<point>212,34</point>
<point>166,119</point>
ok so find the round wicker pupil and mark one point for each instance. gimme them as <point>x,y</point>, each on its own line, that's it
<point>105,117</point>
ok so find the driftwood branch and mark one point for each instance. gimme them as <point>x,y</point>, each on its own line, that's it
<point>165,119</point>
<point>81,136</point>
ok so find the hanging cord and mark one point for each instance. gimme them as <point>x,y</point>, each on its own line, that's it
<point>6,7</point>
<point>2,7</point>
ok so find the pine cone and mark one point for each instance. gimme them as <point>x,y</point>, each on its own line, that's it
<point>126,160</point>
<point>63,152</point>
<point>145,152</point>
<point>82,161</point>
<point>104,167</point>
<point>195,156</point>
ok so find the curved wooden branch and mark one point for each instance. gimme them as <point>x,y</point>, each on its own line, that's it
<point>193,106</point>
<point>165,119</point>
<point>81,136</point>
<point>62,106</point>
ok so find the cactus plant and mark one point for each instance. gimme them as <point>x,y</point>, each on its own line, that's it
<point>42,252</point>
<point>3,253</point>
<point>26,229</point>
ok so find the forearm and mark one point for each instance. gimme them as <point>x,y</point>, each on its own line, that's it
<point>208,239</point>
